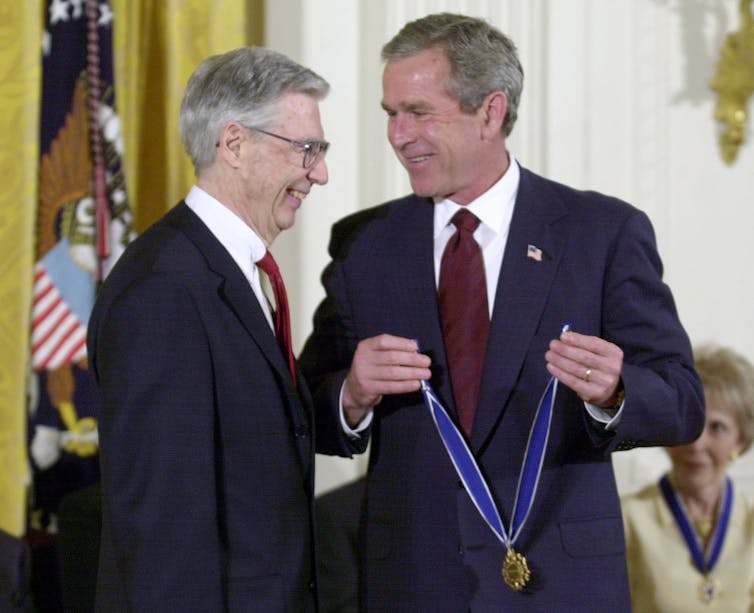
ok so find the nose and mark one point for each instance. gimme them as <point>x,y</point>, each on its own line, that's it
<point>701,441</point>
<point>318,172</point>
<point>399,130</point>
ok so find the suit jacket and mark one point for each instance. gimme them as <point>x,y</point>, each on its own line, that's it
<point>14,574</point>
<point>338,516</point>
<point>663,577</point>
<point>206,446</point>
<point>427,548</point>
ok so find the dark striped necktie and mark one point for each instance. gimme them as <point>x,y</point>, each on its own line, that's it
<point>462,293</point>
<point>281,315</point>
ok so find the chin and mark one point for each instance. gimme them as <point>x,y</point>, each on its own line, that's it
<point>424,191</point>
<point>284,222</point>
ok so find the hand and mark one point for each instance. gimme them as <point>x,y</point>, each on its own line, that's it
<point>589,365</point>
<point>381,365</point>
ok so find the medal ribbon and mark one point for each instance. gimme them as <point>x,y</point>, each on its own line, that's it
<point>704,561</point>
<point>471,476</point>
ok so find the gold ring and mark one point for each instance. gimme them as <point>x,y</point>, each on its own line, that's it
<point>587,374</point>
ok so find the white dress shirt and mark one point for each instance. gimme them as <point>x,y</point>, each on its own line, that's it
<point>494,208</point>
<point>241,242</point>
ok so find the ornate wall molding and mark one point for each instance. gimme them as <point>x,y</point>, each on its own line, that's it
<point>734,84</point>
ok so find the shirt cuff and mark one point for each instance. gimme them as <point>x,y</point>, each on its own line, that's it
<point>610,418</point>
<point>353,433</point>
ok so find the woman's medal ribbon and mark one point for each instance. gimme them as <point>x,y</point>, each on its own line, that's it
<point>709,589</point>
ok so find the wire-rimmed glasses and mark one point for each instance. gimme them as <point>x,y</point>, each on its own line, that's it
<point>311,149</point>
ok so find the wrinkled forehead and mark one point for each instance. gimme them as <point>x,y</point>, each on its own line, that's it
<point>298,115</point>
<point>416,80</point>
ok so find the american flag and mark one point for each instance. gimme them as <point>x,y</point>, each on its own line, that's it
<point>533,252</point>
<point>83,220</point>
<point>59,320</point>
<point>83,224</point>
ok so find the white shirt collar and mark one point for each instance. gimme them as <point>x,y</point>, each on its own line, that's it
<point>494,208</point>
<point>243,244</point>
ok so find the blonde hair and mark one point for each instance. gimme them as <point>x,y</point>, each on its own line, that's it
<point>729,377</point>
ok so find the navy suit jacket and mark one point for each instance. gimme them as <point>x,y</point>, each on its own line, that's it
<point>426,546</point>
<point>206,446</point>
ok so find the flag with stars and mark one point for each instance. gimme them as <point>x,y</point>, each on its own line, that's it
<point>533,252</point>
<point>83,224</point>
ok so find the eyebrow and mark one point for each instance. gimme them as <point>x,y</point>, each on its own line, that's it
<point>409,106</point>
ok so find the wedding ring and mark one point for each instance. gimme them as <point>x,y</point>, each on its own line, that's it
<point>587,374</point>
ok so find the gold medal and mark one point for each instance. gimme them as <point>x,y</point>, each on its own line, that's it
<point>709,590</point>
<point>515,570</point>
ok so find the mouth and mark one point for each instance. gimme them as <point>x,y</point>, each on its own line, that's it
<point>417,159</point>
<point>298,195</point>
<point>695,465</point>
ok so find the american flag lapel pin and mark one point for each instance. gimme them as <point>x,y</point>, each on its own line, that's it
<point>534,252</point>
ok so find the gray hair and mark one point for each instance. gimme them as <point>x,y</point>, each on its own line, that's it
<point>482,59</point>
<point>728,378</point>
<point>244,85</point>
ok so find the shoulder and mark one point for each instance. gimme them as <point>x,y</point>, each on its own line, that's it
<point>159,266</point>
<point>166,246</point>
<point>386,212</point>
<point>381,221</point>
<point>582,204</point>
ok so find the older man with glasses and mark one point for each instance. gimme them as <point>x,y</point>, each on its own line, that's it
<point>206,431</point>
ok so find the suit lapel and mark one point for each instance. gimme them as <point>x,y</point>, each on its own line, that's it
<point>520,298</point>
<point>415,292</point>
<point>234,288</point>
<point>233,285</point>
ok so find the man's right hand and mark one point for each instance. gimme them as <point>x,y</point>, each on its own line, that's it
<point>383,364</point>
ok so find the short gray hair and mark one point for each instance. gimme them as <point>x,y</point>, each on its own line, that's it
<point>244,85</point>
<point>728,378</point>
<point>482,59</point>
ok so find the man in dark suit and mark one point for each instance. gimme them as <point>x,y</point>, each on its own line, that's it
<point>206,431</point>
<point>550,255</point>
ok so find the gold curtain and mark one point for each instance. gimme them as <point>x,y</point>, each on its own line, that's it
<point>157,44</point>
<point>20,50</point>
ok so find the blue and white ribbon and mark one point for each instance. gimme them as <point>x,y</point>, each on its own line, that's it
<point>704,560</point>
<point>471,476</point>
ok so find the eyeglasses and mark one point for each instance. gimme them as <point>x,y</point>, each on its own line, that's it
<point>311,149</point>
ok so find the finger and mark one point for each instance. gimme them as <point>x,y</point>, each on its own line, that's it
<point>591,344</point>
<point>387,342</point>
<point>595,388</point>
<point>578,360</point>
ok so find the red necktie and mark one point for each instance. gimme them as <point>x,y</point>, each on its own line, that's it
<point>282,316</point>
<point>465,317</point>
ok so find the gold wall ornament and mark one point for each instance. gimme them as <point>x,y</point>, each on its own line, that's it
<point>734,83</point>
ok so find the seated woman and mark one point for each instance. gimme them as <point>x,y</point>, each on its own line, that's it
<point>690,537</point>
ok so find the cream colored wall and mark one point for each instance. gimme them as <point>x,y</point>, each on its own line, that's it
<point>615,99</point>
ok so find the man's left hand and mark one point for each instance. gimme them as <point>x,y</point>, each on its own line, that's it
<point>589,365</point>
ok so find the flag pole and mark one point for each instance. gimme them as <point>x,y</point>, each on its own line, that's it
<point>99,178</point>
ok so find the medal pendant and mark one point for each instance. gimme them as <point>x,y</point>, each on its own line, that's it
<point>515,570</point>
<point>709,590</point>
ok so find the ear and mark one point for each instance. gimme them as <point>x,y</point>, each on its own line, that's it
<point>229,143</point>
<point>493,110</point>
